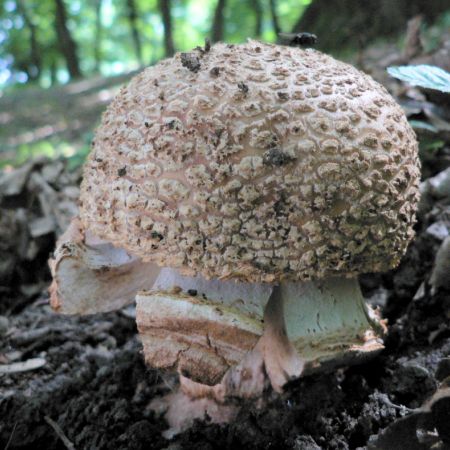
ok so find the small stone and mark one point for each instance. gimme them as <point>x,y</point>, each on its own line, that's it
<point>4,325</point>
<point>413,384</point>
<point>305,442</point>
<point>440,410</point>
<point>443,369</point>
<point>439,230</point>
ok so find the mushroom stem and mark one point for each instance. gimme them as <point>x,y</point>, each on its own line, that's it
<point>200,327</point>
<point>282,362</point>
<point>329,323</point>
<point>228,339</point>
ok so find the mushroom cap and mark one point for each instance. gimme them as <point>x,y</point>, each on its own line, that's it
<point>255,161</point>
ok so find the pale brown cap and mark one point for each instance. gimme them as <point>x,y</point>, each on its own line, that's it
<point>255,161</point>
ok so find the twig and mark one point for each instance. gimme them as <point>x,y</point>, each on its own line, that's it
<point>385,399</point>
<point>60,433</point>
<point>11,436</point>
<point>22,366</point>
<point>161,376</point>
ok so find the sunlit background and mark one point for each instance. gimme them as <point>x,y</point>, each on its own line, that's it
<point>61,61</point>
<point>113,36</point>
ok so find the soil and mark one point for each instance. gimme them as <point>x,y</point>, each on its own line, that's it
<point>94,385</point>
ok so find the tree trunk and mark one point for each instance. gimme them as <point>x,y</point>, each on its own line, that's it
<point>35,68</point>
<point>349,23</point>
<point>164,7</point>
<point>132,17</point>
<point>98,35</point>
<point>217,32</point>
<point>275,19</point>
<point>67,45</point>
<point>256,6</point>
<point>53,72</point>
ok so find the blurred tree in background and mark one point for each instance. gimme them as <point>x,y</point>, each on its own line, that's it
<point>50,41</point>
<point>344,23</point>
<point>99,44</point>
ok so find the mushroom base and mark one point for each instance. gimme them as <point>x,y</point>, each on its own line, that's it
<point>229,339</point>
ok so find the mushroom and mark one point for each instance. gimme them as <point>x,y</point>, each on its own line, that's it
<point>263,180</point>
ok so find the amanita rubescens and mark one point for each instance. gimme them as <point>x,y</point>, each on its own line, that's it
<point>263,179</point>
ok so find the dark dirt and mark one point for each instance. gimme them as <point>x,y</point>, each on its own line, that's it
<point>95,386</point>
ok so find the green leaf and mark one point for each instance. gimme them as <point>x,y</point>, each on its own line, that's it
<point>421,125</point>
<point>423,75</point>
<point>430,145</point>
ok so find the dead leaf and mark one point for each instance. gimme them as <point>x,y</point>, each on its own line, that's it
<point>23,366</point>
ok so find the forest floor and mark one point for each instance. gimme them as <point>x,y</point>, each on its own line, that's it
<point>80,382</point>
<point>87,376</point>
<point>63,114</point>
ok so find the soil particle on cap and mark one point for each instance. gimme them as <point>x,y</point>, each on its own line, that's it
<point>191,62</point>
<point>215,71</point>
<point>205,49</point>
<point>275,157</point>
<point>156,235</point>
<point>171,124</point>
<point>280,205</point>
<point>243,87</point>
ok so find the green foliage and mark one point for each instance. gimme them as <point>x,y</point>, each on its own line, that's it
<point>423,75</point>
<point>432,34</point>
<point>53,148</point>
<point>421,125</point>
<point>78,158</point>
<point>431,145</point>
<point>103,33</point>
<point>428,147</point>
